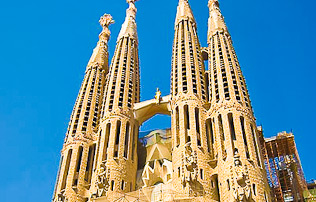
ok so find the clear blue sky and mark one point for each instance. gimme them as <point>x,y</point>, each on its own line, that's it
<point>45,46</point>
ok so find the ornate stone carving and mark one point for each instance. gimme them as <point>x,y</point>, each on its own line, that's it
<point>102,181</point>
<point>242,191</point>
<point>105,21</point>
<point>190,168</point>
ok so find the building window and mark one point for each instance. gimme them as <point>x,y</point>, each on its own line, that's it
<point>78,164</point>
<point>187,123</point>
<point>66,171</point>
<point>197,126</point>
<point>126,139</point>
<point>242,122</point>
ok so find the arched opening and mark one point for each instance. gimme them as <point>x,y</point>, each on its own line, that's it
<point>158,121</point>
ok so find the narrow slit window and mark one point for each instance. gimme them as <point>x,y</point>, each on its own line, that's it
<point>106,140</point>
<point>197,125</point>
<point>177,127</point>
<point>201,174</point>
<point>126,139</point>
<point>78,164</point>
<point>255,144</point>
<point>90,163</point>
<point>117,138</point>
<point>186,123</point>
<point>112,185</point>
<point>232,130</point>
<point>222,136</point>
<point>242,122</point>
<point>63,185</point>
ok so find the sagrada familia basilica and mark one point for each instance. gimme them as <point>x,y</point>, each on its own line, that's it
<point>212,151</point>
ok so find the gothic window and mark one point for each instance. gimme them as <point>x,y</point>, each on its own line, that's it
<point>90,160</point>
<point>122,185</point>
<point>254,137</point>
<point>177,127</point>
<point>106,140</point>
<point>202,174</point>
<point>254,189</point>
<point>135,135</point>
<point>222,136</point>
<point>66,171</point>
<point>242,122</point>
<point>197,126</point>
<point>58,174</point>
<point>126,139</point>
<point>117,138</point>
<point>112,185</point>
<point>186,123</point>
<point>78,164</point>
<point>228,185</point>
<point>210,137</point>
<point>208,87</point>
<point>232,129</point>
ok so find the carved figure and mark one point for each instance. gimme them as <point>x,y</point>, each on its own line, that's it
<point>102,182</point>
<point>158,96</point>
<point>190,170</point>
<point>242,192</point>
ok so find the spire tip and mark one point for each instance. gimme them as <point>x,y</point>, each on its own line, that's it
<point>106,20</point>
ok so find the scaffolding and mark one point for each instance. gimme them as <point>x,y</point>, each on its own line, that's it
<point>284,171</point>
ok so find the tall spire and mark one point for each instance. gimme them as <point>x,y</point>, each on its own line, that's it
<point>116,165</point>
<point>216,20</point>
<point>77,155</point>
<point>188,97</point>
<point>129,27</point>
<point>235,130</point>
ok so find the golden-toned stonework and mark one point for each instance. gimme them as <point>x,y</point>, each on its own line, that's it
<point>211,153</point>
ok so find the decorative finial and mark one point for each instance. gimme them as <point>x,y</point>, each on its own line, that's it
<point>106,20</point>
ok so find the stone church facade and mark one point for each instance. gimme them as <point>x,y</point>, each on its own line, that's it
<point>211,153</point>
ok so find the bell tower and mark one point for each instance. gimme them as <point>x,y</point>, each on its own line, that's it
<point>77,155</point>
<point>118,131</point>
<point>230,119</point>
<point>188,97</point>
